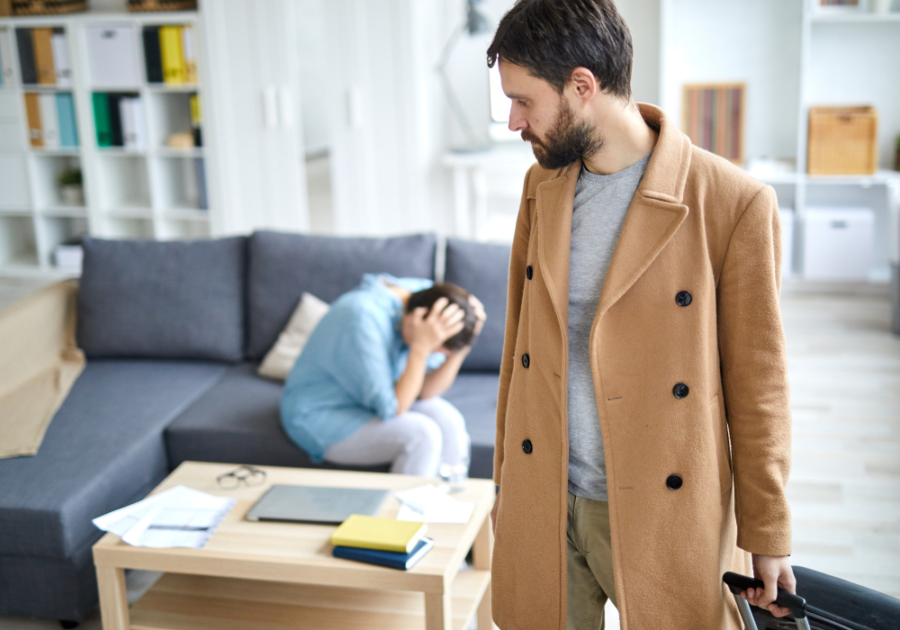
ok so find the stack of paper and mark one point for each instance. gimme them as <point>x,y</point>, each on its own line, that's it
<point>430,504</point>
<point>179,517</point>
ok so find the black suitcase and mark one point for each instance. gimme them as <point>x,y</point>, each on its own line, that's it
<point>850,606</point>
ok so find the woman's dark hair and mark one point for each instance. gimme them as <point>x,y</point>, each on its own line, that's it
<point>455,295</point>
<point>550,38</point>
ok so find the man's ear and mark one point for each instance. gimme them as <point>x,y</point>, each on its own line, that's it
<point>583,84</point>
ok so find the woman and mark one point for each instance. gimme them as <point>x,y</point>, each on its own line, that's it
<point>366,388</point>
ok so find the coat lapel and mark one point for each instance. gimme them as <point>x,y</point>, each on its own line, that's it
<point>655,213</point>
<point>654,216</point>
<point>555,200</point>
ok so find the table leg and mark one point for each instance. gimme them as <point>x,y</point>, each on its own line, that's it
<point>485,617</point>
<point>483,548</point>
<point>482,551</point>
<point>113,598</point>
<point>437,611</point>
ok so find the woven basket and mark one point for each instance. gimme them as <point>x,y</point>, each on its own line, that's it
<point>48,7</point>
<point>842,141</point>
<point>142,6</point>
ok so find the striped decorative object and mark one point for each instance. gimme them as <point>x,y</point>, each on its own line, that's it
<point>138,6</point>
<point>47,7</point>
<point>713,118</point>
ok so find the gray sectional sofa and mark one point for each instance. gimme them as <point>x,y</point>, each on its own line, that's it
<point>173,332</point>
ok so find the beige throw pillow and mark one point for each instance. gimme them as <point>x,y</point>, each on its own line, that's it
<point>281,358</point>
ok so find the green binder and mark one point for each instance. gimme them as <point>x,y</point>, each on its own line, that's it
<point>102,120</point>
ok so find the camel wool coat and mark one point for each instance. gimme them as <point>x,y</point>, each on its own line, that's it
<point>696,225</point>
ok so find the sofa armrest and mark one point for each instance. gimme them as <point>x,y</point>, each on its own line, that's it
<point>38,365</point>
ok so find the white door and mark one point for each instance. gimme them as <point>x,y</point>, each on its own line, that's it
<point>258,172</point>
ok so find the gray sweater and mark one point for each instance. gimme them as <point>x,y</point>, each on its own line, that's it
<point>601,204</point>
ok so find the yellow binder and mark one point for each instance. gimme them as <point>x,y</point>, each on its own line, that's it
<point>375,532</point>
<point>174,71</point>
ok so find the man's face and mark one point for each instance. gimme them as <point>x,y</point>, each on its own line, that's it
<point>546,119</point>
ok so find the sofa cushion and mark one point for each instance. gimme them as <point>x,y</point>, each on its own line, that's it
<point>475,395</point>
<point>237,421</point>
<point>171,300</point>
<point>282,266</point>
<point>103,450</point>
<point>483,270</point>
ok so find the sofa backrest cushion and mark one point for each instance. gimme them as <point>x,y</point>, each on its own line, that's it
<point>483,270</point>
<point>154,299</point>
<point>283,266</point>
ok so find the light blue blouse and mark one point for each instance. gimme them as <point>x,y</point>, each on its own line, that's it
<point>347,370</point>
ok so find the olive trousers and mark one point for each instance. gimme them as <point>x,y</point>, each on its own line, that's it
<point>589,562</point>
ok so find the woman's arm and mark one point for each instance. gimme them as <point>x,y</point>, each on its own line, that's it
<point>426,335</point>
<point>438,381</point>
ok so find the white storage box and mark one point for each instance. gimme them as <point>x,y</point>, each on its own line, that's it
<point>837,243</point>
<point>787,242</point>
<point>68,257</point>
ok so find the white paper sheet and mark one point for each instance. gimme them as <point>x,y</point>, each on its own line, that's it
<point>179,517</point>
<point>429,504</point>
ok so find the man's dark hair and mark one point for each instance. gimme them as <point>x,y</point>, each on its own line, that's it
<point>455,295</point>
<point>550,38</point>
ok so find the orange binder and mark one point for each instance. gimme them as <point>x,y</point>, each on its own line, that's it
<point>33,111</point>
<point>43,55</point>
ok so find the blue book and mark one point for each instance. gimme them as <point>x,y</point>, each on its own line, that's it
<point>392,559</point>
<point>68,129</point>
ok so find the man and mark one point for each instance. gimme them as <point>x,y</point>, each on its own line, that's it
<point>643,426</point>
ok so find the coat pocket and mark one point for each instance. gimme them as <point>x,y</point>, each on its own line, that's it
<point>723,443</point>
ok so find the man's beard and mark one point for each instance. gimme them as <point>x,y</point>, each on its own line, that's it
<point>566,141</point>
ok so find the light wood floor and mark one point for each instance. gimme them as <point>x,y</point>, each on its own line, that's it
<point>845,394</point>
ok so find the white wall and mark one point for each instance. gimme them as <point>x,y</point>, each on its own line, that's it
<point>758,42</point>
<point>313,64</point>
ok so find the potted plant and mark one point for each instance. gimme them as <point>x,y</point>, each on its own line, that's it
<point>69,181</point>
<point>897,153</point>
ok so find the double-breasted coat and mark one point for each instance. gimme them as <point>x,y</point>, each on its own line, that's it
<point>688,361</point>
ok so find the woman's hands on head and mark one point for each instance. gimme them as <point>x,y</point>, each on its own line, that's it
<point>480,315</point>
<point>427,333</point>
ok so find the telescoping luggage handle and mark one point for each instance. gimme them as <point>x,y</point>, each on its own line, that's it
<point>738,583</point>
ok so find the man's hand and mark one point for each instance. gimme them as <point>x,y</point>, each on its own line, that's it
<point>774,571</point>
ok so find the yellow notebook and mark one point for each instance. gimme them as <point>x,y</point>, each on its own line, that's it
<point>172,57</point>
<point>375,532</point>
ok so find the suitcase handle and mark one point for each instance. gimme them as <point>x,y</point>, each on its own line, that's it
<point>738,583</point>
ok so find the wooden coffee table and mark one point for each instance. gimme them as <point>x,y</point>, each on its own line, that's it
<point>279,575</point>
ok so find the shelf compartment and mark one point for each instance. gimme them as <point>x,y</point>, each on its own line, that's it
<point>179,229</point>
<point>47,169</point>
<point>170,113</point>
<point>130,213</point>
<point>123,181</point>
<point>123,228</point>
<point>14,181</point>
<point>182,183</point>
<point>188,601</point>
<point>60,231</point>
<point>18,246</point>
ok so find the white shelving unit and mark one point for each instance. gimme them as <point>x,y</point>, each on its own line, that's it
<point>128,193</point>
<point>252,153</point>
<point>793,54</point>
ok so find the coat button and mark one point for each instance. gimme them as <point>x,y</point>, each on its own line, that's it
<point>529,272</point>
<point>526,361</point>
<point>526,446</point>
<point>684,298</point>
<point>681,390</point>
<point>674,482</point>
